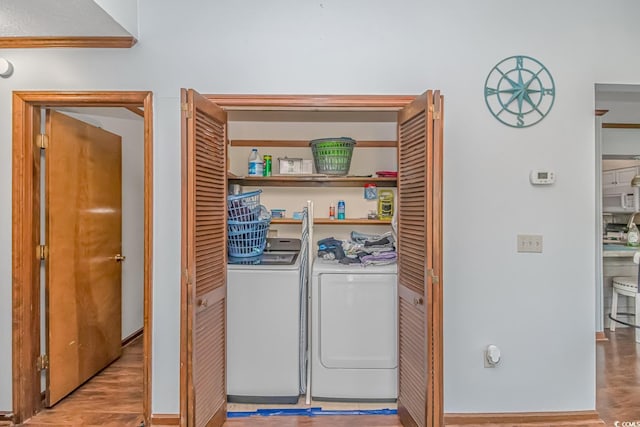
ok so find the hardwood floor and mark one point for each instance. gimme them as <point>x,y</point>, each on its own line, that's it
<point>111,398</point>
<point>618,377</point>
<point>114,397</point>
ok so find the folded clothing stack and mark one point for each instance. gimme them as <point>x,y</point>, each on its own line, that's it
<point>362,248</point>
<point>330,248</point>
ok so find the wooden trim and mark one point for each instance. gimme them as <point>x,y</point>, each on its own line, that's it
<point>557,418</point>
<point>304,143</point>
<point>86,42</point>
<point>184,294</point>
<point>601,112</point>
<point>131,337</point>
<point>356,102</point>
<point>279,221</point>
<point>135,110</point>
<point>85,99</point>
<point>165,419</point>
<point>600,336</point>
<point>25,214</point>
<point>621,126</point>
<point>433,246</point>
<point>25,286</point>
<point>147,323</point>
<point>437,307</point>
<point>312,181</point>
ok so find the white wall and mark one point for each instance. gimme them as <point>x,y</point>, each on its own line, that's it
<point>621,142</point>
<point>538,308</point>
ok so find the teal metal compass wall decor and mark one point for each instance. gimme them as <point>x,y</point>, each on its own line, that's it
<point>519,91</point>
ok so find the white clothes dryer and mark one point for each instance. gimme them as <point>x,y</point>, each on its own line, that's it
<point>354,326</point>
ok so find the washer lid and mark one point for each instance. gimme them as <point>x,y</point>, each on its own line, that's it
<point>283,244</point>
<point>267,258</point>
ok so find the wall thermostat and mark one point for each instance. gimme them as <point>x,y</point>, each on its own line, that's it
<point>540,177</point>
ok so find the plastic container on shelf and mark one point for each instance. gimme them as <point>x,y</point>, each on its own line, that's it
<point>341,209</point>
<point>370,191</point>
<point>255,163</point>
<point>332,156</point>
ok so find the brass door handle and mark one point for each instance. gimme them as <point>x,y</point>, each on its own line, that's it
<point>119,258</point>
<point>203,302</point>
<point>418,301</point>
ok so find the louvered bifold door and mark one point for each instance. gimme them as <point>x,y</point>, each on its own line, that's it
<point>205,272</point>
<point>415,262</point>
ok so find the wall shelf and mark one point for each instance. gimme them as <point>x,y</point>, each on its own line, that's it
<point>351,221</point>
<point>311,181</point>
<point>327,221</point>
<point>304,143</point>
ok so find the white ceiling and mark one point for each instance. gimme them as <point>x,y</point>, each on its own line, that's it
<point>57,18</point>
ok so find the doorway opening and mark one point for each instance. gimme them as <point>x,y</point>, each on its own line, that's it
<point>617,200</point>
<point>28,350</point>
<point>204,293</point>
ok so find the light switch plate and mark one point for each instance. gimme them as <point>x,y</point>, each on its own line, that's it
<point>530,243</point>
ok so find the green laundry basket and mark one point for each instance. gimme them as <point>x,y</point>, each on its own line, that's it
<point>332,156</point>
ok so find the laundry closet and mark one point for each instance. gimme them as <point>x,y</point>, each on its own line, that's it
<point>394,354</point>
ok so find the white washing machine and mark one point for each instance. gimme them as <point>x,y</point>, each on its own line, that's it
<point>354,326</point>
<point>266,334</point>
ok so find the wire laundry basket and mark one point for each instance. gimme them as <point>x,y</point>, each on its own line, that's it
<point>332,156</point>
<point>244,206</point>
<point>247,238</point>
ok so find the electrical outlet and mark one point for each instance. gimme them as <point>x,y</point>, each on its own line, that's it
<point>272,233</point>
<point>530,243</point>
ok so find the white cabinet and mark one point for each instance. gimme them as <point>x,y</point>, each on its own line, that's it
<point>608,178</point>
<point>618,180</point>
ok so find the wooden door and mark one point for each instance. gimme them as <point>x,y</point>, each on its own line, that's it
<point>204,260</point>
<point>420,261</point>
<point>83,206</point>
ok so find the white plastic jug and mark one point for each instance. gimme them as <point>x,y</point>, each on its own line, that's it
<point>255,163</point>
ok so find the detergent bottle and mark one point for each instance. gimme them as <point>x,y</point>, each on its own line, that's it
<point>385,204</point>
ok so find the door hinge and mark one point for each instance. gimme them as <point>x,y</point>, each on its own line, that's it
<point>435,114</point>
<point>187,111</point>
<point>43,362</point>
<point>42,141</point>
<point>432,274</point>
<point>42,252</point>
